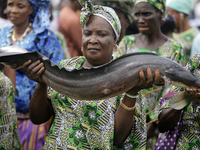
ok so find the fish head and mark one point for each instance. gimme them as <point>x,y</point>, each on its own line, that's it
<point>181,77</point>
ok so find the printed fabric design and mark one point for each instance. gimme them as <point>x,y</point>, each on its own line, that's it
<point>188,136</point>
<point>9,132</point>
<point>90,124</point>
<point>186,39</point>
<point>170,49</point>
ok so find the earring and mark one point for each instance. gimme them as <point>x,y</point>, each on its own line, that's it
<point>82,49</point>
<point>115,48</point>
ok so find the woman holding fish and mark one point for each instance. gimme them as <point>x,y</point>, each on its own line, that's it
<point>148,16</point>
<point>102,124</point>
<point>180,123</point>
<point>30,20</point>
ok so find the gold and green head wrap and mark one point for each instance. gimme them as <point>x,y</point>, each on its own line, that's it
<point>102,11</point>
<point>160,4</point>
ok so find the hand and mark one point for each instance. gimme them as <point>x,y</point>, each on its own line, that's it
<point>146,82</point>
<point>34,70</point>
<point>193,91</point>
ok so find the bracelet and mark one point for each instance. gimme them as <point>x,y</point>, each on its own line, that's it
<point>125,107</point>
<point>131,96</point>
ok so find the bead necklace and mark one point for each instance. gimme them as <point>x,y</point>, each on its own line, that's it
<point>23,35</point>
<point>10,35</point>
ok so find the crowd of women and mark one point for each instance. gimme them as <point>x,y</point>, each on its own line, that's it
<point>34,116</point>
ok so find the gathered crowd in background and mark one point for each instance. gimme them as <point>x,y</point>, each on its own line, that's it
<point>79,34</point>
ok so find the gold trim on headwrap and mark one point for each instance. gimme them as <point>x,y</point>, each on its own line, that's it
<point>107,13</point>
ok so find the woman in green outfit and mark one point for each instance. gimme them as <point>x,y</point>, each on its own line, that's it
<point>148,16</point>
<point>80,124</point>
<point>180,9</point>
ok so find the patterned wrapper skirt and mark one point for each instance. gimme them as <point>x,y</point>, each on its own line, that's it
<point>32,137</point>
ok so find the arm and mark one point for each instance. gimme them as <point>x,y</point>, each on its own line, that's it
<point>39,106</point>
<point>123,118</point>
<point>72,32</point>
<point>10,73</point>
<point>75,33</point>
<point>168,119</point>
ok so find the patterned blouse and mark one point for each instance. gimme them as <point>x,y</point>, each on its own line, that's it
<point>189,134</point>
<point>186,40</point>
<point>9,132</point>
<point>170,49</point>
<point>89,124</point>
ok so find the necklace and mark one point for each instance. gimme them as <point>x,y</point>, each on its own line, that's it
<point>23,35</point>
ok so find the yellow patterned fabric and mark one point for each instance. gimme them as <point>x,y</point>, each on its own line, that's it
<point>186,39</point>
<point>170,49</point>
<point>9,133</point>
<point>89,124</point>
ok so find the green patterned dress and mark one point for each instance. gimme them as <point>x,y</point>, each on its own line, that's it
<point>9,132</point>
<point>170,49</point>
<point>89,124</point>
<point>186,40</point>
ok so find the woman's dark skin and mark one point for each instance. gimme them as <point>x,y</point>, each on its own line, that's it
<point>18,12</point>
<point>148,18</point>
<point>98,41</point>
<point>168,118</point>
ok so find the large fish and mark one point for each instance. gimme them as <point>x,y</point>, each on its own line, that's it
<point>105,81</point>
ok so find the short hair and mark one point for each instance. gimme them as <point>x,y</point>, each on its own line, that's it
<point>168,25</point>
<point>3,4</point>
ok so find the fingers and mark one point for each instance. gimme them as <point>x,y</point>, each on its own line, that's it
<point>25,65</point>
<point>142,78</point>
<point>146,82</point>
<point>34,70</point>
<point>149,80</point>
<point>193,91</point>
<point>149,76</point>
<point>157,77</point>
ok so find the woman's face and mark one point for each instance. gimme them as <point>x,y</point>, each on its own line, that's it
<point>18,11</point>
<point>175,14</point>
<point>147,18</point>
<point>98,41</point>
